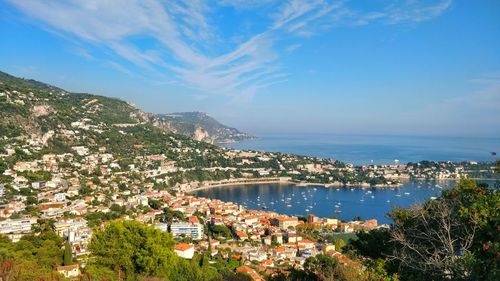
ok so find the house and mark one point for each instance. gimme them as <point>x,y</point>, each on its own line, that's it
<point>69,271</point>
<point>184,250</point>
<point>268,263</point>
<point>251,272</point>
<point>305,244</point>
<point>241,235</point>
<point>285,222</point>
<point>267,240</point>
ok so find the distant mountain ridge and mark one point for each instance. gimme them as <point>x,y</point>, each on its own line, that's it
<point>197,125</point>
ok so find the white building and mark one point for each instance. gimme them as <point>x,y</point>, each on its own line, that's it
<point>184,250</point>
<point>162,226</point>
<point>193,230</point>
<point>16,228</point>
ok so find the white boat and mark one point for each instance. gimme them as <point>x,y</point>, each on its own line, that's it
<point>407,193</point>
<point>289,205</point>
<point>433,198</point>
<point>307,210</point>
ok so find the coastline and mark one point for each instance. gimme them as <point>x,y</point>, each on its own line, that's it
<point>281,181</point>
<point>246,182</point>
<point>292,182</point>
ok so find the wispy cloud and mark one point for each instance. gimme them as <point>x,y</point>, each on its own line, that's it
<point>176,37</point>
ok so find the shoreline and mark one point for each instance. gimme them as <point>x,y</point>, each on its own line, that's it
<point>257,181</point>
<point>305,184</point>
<point>291,182</point>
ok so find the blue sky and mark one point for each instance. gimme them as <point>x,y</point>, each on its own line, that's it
<point>345,67</point>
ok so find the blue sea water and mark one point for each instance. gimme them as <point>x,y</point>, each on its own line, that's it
<point>359,150</point>
<point>324,202</point>
<point>362,150</point>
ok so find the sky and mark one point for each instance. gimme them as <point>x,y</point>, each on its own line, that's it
<point>273,66</point>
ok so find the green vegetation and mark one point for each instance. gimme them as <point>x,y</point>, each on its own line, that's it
<point>131,251</point>
<point>455,237</point>
<point>33,257</point>
<point>68,257</point>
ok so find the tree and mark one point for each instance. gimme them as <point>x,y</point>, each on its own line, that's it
<point>68,255</point>
<point>132,249</point>
<point>454,237</point>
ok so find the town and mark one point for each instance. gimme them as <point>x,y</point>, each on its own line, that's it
<point>76,162</point>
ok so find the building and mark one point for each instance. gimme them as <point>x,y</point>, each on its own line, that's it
<point>312,218</point>
<point>64,227</point>
<point>185,229</point>
<point>16,228</point>
<point>162,226</point>
<point>251,272</point>
<point>285,222</point>
<point>69,271</point>
<point>184,250</point>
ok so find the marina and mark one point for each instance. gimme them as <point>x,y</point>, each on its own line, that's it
<point>343,203</point>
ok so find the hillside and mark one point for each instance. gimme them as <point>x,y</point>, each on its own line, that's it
<point>197,125</point>
<point>38,119</point>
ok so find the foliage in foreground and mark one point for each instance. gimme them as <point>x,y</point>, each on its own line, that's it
<point>455,237</point>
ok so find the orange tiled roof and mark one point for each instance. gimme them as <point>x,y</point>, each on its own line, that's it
<point>183,247</point>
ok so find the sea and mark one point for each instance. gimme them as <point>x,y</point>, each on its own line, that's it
<point>343,203</point>
<point>347,203</point>
<point>369,149</point>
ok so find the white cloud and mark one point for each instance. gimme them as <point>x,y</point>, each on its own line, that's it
<point>179,35</point>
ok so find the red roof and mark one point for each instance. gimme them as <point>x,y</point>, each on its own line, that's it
<point>193,219</point>
<point>183,247</point>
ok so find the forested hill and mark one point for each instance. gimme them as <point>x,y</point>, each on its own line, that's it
<point>57,120</point>
<point>43,100</point>
<point>199,126</point>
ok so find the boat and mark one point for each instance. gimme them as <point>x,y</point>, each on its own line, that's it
<point>433,198</point>
<point>388,201</point>
<point>407,193</point>
<point>307,210</point>
<point>372,196</point>
<point>289,205</point>
<point>338,211</point>
<point>398,195</point>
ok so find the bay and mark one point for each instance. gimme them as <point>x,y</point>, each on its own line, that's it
<point>290,199</point>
